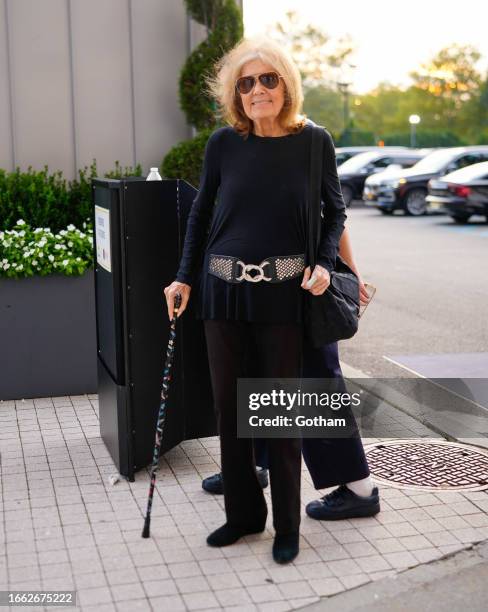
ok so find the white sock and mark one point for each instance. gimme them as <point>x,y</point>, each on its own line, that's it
<point>363,487</point>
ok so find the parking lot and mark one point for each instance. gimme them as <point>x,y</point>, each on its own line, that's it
<point>432,287</point>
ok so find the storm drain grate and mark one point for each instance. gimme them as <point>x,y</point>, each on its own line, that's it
<point>428,464</point>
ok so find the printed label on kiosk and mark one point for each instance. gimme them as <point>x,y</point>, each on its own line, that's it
<point>102,228</point>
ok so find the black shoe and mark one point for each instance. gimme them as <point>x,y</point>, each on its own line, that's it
<point>227,534</point>
<point>285,547</point>
<point>342,503</point>
<point>214,484</point>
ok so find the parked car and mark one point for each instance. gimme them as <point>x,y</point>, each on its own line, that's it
<point>345,153</point>
<point>373,185</point>
<point>407,189</point>
<point>461,193</point>
<point>354,172</point>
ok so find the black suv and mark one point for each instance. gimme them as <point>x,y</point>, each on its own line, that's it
<point>356,170</point>
<point>407,189</point>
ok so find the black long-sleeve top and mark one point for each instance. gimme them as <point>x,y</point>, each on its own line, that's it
<point>253,194</point>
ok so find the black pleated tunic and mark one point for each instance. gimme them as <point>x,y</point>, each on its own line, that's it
<point>253,194</point>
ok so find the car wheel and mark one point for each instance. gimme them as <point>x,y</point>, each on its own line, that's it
<point>460,218</point>
<point>415,204</point>
<point>347,195</point>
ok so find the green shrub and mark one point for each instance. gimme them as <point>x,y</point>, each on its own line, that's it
<point>223,21</point>
<point>424,138</point>
<point>185,160</point>
<point>48,200</point>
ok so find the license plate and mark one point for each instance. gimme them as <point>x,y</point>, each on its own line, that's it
<point>435,205</point>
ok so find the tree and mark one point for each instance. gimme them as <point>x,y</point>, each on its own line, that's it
<point>324,105</point>
<point>451,74</point>
<point>314,52</point>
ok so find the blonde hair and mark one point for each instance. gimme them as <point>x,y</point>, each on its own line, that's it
<point>221,86</point>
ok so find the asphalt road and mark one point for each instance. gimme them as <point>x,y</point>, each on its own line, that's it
<point>432,288</point>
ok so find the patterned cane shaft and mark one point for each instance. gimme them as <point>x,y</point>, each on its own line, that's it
<point>162,408</point>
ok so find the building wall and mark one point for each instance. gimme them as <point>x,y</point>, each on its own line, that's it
<point>84,79</point>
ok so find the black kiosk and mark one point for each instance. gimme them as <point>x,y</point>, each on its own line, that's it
<point>139,228</point>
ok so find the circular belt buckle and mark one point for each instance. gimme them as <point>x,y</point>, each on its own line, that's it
<point>246,268</point>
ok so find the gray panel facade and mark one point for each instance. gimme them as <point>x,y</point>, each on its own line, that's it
<point>84,79</point>
<point>39,84</point>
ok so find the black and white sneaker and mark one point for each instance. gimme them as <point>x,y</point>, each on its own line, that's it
<point>215,484</point>
<point>342,503</point>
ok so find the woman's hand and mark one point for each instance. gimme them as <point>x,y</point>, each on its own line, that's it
<point>171,291</point>
<point>321,282</point>
<point>363,293</point>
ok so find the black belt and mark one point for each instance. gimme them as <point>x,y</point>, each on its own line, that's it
<point>274,269</point>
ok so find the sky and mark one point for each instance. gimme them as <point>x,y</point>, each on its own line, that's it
<point>392,37</point>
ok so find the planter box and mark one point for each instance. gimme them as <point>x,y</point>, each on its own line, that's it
<point>48,336</point>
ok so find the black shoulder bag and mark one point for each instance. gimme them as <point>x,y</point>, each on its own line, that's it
<point>333,315</point>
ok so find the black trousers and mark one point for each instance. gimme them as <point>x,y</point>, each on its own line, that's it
<point>278,352</point>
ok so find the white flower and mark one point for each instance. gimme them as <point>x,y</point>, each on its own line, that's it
<point>57,246</point>
<point>4,261</point>
<point>34,262</point>
<point>78,259</point>
<point>22,233</point>
<point>70,244</point>
<point>20,222</point>
<point>41,254</point>
<point>63,232</point>
<point>51,257</point>
<point>71,227</point>
<point>27,254</point>
<point>65,262</point>
<point>6,266</point>
<point>20,267</point>
<point>82,235</point>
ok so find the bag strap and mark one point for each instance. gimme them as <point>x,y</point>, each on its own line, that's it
<point>314,194</point>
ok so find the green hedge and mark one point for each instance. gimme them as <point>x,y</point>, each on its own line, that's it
<point>48,200</point>
<point>45,221</point>
<point>185,160</point>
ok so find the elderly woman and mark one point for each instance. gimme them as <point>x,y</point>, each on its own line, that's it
<point>259,166</point>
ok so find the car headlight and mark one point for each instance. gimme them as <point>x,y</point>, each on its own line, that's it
<point>393,184</point>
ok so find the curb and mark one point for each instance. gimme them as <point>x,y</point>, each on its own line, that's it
<point>426,582</point>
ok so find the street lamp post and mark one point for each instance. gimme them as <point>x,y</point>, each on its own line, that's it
<point>344,89</point>
<point>413,120</point>
<point>344,81</point>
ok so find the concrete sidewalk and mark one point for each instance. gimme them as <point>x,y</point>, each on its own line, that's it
<point>66,527</point>
<point>457,582</point>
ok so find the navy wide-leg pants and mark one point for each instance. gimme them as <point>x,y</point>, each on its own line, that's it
<point>330,461</point>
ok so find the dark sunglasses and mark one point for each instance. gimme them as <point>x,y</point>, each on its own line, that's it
<point>270,80</point>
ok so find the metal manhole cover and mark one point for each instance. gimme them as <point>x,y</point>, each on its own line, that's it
<point>425,464</point>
